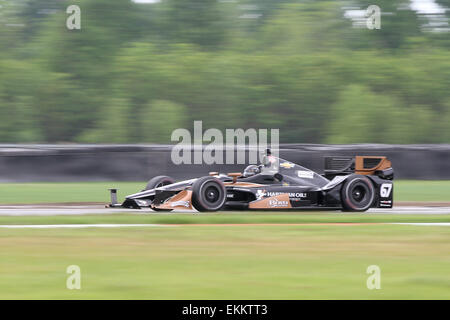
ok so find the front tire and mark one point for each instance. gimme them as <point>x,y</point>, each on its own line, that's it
<point>357,193</point>
<point>157,182</point>
<point>208,194</point>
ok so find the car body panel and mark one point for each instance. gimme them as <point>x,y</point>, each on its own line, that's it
<point>280,185</point>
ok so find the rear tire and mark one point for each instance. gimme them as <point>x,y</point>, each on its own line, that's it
<point>208,194</point>
<point>157,182</point>
<point>357,193</point>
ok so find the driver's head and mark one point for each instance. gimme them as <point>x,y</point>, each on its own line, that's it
<point>251,170</point>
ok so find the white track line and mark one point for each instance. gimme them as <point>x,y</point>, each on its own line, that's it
<point>81,226</point>
<point>78,226</point>
<point>424,223</point>
<point>411,210</point>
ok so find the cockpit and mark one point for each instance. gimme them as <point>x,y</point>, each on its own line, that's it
<point>274,170</point>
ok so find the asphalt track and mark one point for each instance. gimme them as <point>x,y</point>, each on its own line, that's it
<point>55,209</point>
<point>84,226</point>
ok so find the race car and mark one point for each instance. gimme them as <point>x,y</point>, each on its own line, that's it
<point>348,184</point>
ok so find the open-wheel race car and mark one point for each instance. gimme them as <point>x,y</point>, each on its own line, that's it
<point>348,183</point>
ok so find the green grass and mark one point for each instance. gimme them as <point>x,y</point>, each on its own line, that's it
<point>250,217</point>
<point>420,190</point>
<point>53,192</point>
<point>27,193</point>
<point>222,262</point>
<point>246,262</point>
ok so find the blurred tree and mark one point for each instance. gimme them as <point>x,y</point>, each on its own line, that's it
<point>308,27</point>
<point>201,22</point>
<point>18,117</point>
<point>298,66</point>
<point>443,126</point>
<point>360,116</point>
<point>113,127</point>
<point>11,24</point>
<point>159,118</point>
<point>34,14</point>
<point>84,59</point>
<point>399,23</point>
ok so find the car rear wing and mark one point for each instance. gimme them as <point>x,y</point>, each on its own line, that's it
<point>365,165</point>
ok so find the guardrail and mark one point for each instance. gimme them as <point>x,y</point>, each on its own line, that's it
<point>31,163</point>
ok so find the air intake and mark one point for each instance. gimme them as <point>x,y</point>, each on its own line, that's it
<point>337,164</point>
<point>370,163</point>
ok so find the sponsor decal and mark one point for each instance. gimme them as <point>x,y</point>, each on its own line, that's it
<point>180,203</point>
<point>230,195</point>
<point>386,203</point>
<point>260,194</point>
<point>287,165</point>
<point>305,174</point>
<point>292,195</point>
<point>275,203</point>
<point>336,180</point>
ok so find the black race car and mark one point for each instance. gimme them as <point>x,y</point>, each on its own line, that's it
<point>349,184</point>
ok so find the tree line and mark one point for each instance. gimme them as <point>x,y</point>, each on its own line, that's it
<point>135,72</point>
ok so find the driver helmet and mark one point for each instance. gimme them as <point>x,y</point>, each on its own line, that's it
<point>251,170</point>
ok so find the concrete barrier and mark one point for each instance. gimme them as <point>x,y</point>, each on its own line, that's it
<point>31,163</point>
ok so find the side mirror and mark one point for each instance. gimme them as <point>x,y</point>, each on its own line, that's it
<point>234,175</point>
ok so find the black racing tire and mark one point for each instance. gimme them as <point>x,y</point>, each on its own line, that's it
<point>208,194</point>
<point>357,193</point>
<point>156,182</point>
